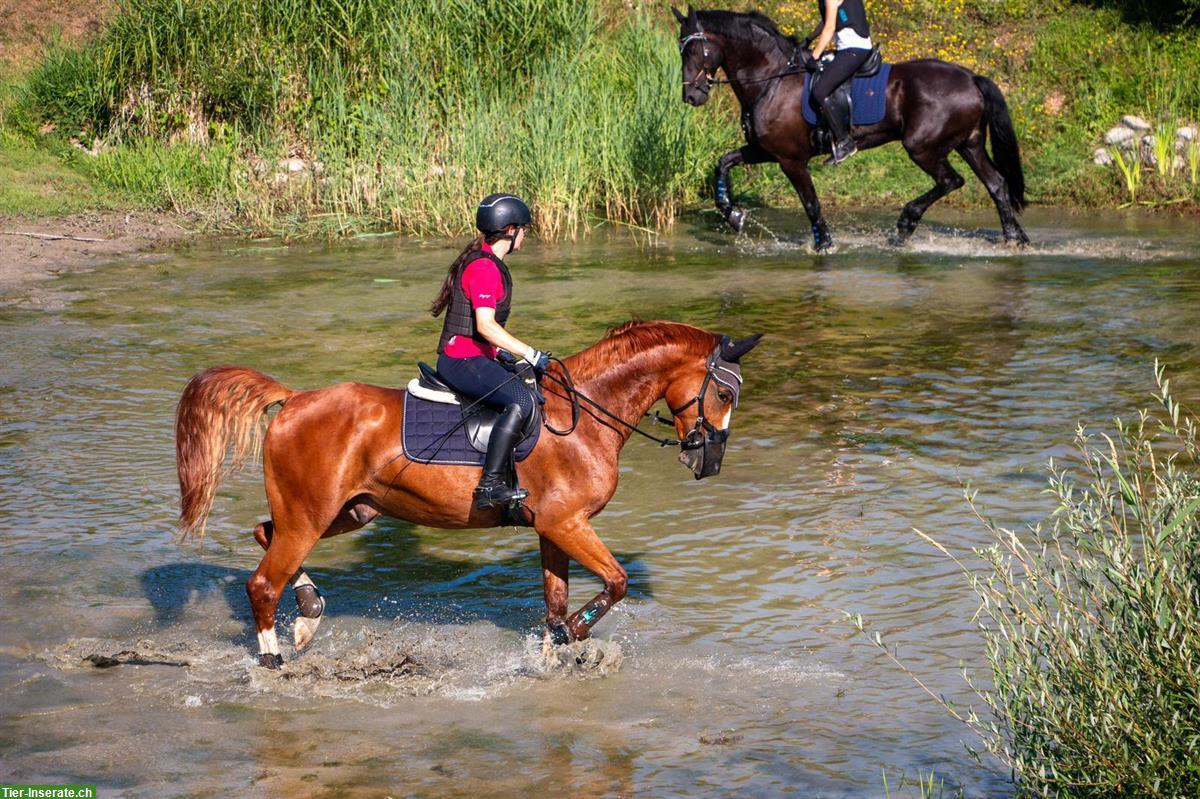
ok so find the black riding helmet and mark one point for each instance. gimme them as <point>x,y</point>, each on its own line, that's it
<point>498,211</point>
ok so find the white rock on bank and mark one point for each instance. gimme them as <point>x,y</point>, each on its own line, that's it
<point>1101,157</point>
<point>1135,123</point>
<point>293,165</point>
<point>1118,136</point>
<point>1186,133</point>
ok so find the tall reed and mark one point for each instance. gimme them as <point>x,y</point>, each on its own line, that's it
<point>413,109</point>
<point>1131,170</point>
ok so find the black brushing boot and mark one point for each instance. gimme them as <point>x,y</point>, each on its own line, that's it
<point>492,491</point>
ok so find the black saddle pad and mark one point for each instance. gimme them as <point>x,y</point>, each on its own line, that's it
<point>428,438</point>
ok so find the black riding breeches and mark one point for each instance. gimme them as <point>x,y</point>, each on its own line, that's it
<point>488,381</point>
<point>836,72</point>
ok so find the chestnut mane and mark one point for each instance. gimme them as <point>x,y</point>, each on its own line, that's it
<point>626,341</point>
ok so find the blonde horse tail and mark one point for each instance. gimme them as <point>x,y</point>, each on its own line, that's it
<point>221,407</point>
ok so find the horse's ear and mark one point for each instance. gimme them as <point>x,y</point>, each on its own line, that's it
<point>679,16</point>
<point>734,350</point>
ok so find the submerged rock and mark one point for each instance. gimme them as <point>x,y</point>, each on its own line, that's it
<point>721,738</point>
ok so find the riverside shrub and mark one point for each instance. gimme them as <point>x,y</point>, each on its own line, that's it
<point>1091,621</point>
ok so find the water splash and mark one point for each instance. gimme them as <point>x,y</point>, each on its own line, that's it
<point>757,238</point>
<point>379,665</point>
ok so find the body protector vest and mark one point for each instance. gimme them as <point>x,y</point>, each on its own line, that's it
<point>460,316</point>
<point>850,14</point>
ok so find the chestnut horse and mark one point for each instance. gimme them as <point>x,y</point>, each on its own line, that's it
<point>932,107</point>
<point>333,461</point>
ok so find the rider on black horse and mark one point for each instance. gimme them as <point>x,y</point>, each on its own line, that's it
<point>478,295</point>
<point>847,20</point>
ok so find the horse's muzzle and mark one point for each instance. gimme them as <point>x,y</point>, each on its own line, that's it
<point>705,460</point>
<point>695,97</point>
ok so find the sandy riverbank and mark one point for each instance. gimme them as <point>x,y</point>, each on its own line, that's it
<point>35,250</point>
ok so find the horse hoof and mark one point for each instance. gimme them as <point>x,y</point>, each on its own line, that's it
<point>559,633</point>
<point>737,218</point>
<point>272,662</point>
<point>898,238</point>
<point>303,631</point>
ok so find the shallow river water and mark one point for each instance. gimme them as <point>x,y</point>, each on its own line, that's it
<point>887,379</point>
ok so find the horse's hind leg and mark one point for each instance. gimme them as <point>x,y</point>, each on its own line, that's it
<point>353,515</point>
<point>946,180</point>
<point>309,600</point>
<point>285,554</point>
<point>976,156</point>
<point>797,172</point>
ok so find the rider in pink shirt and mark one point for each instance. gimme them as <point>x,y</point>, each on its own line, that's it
<point>484,288</point>
<point>477,296</point>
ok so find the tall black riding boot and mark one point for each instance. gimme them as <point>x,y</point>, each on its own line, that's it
<point>493,491</point>
<point>839,128</point>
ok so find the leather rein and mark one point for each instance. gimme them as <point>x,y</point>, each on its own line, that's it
<point>703,432</point>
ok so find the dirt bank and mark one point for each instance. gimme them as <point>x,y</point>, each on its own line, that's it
<point>35,250</point>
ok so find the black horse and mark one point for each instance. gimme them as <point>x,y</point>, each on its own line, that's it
<point>931,106</point>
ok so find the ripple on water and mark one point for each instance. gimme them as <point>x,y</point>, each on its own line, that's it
<point>887,379</point>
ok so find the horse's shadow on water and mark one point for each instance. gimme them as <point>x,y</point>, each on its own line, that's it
<point>394,578</point>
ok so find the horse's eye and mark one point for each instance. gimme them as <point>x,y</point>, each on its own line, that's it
<point>724,396</point>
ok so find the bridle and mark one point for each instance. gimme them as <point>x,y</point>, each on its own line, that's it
<point>791,69</point>
<point>731,378</point>
<point>703,71</point>
<point>703,436</point>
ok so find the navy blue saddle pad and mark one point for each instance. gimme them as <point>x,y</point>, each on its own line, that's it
<point>427,437</point>
<point>868,97</point>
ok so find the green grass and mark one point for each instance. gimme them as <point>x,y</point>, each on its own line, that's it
<point>415,108</point>
<point>35,182</point>
<point>573,104</point>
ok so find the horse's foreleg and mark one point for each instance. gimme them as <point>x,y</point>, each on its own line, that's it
<point>578,540</point>
<point>309,600</point>
<point>749,154</point>
<point>797,172</point>
<point>977,158</point>
<point>946,181</point>
<point>554,583</point>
